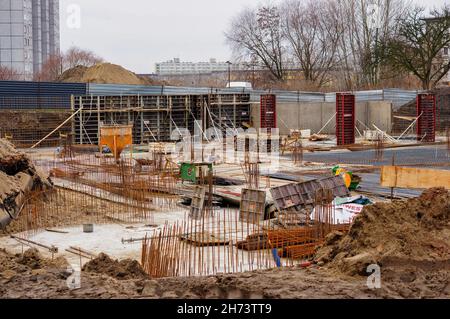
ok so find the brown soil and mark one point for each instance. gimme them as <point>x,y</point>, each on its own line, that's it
<point>104,73</point>
<point>34,277</point>
<point>121,270</point>
<point>18,177</point>
<point>73,75</point>
<point>11,160</point>
<point>414,231</point>
<point>33,259</point>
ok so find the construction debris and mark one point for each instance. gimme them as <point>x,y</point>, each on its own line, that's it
<point>295,201</point>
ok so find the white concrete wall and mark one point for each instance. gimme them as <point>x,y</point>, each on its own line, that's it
<point>315,115</point>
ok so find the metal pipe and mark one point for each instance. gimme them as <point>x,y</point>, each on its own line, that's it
<point>52,249</point>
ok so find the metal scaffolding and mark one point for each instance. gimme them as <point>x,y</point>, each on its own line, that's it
<point>154,117</point>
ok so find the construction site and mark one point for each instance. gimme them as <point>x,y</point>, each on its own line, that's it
<point>223,194</point>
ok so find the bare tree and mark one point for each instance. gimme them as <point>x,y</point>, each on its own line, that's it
<point>75,56</point>
<point>313,33</point>
<point>257,34</point>
<point>364,24</point>
<point>51,69</point>
<point>8,74</point>
<point>419,44</point>
<point>56,64</point>
<point>329,40</point>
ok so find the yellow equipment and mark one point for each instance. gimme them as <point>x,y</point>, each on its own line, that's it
<point>116,138</point>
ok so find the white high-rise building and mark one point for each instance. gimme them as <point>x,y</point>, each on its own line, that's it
<point>29,34</point>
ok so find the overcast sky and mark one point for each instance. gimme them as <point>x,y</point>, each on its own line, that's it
<point>138,33</point>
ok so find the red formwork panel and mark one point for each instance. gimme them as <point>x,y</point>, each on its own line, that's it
<point>426,111</point>
<point>345,118</point>
<point>268,111</point>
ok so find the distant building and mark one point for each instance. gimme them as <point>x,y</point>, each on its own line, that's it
<point>29,34</point>
<point>177,67</point>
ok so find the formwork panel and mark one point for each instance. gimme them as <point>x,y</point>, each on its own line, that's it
<point>253,204</point>
<point>426,111</point>
<point>268,111</point>
<point>345,118</point>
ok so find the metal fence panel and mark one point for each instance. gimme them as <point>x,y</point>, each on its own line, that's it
<point>26,88</point>
<point>398,97</point>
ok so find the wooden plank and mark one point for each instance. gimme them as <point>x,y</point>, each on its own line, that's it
<point>409,177</point>
<point>406,118</point>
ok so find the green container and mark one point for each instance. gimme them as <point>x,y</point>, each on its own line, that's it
<point>189,171</point>
<point>355,182</point>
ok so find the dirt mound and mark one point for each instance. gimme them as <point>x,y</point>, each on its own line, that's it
<point>18,177</point>
<point>73,75</point>
<point>103,73</point>
<point>415,230</point>
<point>123,270</point>
<point>31,258</point>
<point>20,281</point>
<point>11,160</point>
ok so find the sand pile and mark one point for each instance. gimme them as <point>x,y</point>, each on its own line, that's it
<point>103,73</point>
<point>18,177</point>
<point>73,75</point>
<point>123,270</point>
<point>411,231</point>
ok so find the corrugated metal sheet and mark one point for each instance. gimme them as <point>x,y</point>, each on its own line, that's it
<point>25,88</point>
<point>397,96</point>
<point>21,88</point>
<point>38,95</point>
<point>34,102</point>
<point>122,89</point>
<point>400,97</point>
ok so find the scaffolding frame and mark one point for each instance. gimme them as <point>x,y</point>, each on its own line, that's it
<point>156,116</point>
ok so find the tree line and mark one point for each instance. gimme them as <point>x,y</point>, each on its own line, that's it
<point>56,65</point>
<point>343,44</point>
